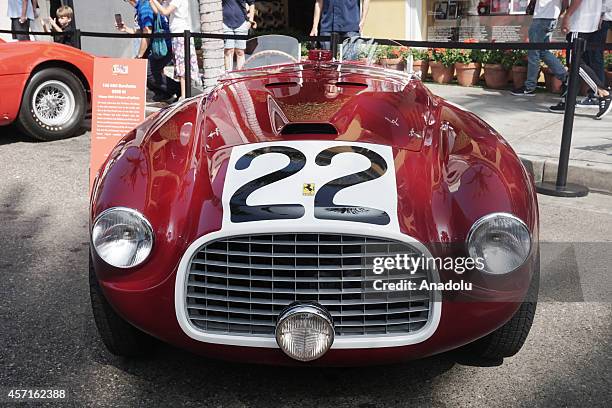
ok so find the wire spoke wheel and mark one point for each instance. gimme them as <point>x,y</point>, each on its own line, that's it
<point>53,103</point>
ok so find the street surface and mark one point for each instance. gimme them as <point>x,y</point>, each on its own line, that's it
<point>48,338</point>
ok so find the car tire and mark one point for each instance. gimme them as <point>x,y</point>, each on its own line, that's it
<point>510,338</point>
<point>53,105</point>
<point>119,337</point>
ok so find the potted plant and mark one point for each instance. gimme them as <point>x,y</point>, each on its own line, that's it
<point>199,51</point>
<point>467,66</point>
<point>443,65</point>
<point>390,57</point>
<point>420,59</point>
<point>519,68</point>
<point>553,84</point>
<point>496,66</point>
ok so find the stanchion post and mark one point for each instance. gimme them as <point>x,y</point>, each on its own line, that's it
<point>335,40</point>
<point>561,188</point>
<point>187,39</point>
<point>77,38</point>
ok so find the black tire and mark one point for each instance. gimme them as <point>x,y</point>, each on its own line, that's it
<point>67,84</point>
<point>509,338</point>
<point>119,337</point>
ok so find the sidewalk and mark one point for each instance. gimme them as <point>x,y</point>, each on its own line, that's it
<point>535,133</point>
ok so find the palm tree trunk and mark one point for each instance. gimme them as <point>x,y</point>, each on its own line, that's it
<point>211,22</point>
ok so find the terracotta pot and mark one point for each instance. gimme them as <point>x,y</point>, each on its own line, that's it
<point>468,74</point>
<point>519,76</point>
<point>609,77</point>
<point>553,85</point>
<point>392,63</point>
<point>200,56</point>
<point>496,76</point>
<point>440,73</point>
<point>421,66</point>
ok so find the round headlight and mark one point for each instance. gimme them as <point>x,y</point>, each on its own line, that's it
<point>122,237</point>
<point>500,241</point>
<point>305,331</point>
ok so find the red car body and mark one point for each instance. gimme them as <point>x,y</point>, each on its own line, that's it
<point>450,169</point>
<point>21,60</point>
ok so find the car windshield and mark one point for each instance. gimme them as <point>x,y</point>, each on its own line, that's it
<point>270,54</point>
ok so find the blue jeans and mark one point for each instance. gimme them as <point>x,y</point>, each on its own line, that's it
<point>541,31</point>
<point>595,58</point>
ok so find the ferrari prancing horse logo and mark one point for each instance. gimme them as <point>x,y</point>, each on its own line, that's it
<point>308,189</point>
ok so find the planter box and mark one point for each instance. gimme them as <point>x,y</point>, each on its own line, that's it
<point>441,74</point>
<point>496,76</point>
<point>468,74</point>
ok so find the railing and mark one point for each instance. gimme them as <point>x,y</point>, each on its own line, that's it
<point>577,47</point>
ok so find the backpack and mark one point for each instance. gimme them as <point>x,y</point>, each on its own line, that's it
<point>159,48</point>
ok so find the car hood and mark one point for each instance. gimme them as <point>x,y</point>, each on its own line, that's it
<point>317,102</point>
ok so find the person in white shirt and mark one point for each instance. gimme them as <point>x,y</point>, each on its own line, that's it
<point>595,57</point>
<point>580,20</point>
<point>21,13</point>
<point>179,16</point>
<point>545,15</point>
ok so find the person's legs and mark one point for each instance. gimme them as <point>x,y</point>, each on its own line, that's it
<point>228,52</point>
<point>158,82</point>
<point>240,45</point>
<point>17,26</point>
<point>178,45</point>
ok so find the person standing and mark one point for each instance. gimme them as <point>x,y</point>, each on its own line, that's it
<point>595,57</point>
<point>179,15</point>
<point>164,88</point>
<point>21,13</point>
<point>345,17</point>
<point>62,23</point>
<point>545,15</point>
<point>238,18</point>
<point>582,18</point>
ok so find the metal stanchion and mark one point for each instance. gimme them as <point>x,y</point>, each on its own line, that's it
<point>77,38</point>
<point>187,39</point>
<point>335,40</point>
<point>561,188</point>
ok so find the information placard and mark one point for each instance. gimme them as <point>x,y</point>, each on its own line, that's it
<point>118,105</point>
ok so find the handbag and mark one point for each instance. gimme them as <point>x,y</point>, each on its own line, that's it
<point>159,48</point>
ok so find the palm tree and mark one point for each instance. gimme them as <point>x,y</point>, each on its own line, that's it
<point>211,22</point>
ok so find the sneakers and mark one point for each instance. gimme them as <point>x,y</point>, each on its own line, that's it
<point>605,106</point>
<point>522,91</point>
<point>588,102</point>
<point>558,108</point>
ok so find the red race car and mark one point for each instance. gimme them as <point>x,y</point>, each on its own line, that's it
<point>45,88</point>
<point>323,212</point>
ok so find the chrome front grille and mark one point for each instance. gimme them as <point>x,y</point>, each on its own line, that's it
<point>239,285</point>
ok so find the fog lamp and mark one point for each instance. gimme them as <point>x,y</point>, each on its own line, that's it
<point>304,331</point>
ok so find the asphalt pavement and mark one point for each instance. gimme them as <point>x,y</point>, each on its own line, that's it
<point>48,338</point>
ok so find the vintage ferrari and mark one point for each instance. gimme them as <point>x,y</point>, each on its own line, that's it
<point>314,212</point>
<point>45,88</point>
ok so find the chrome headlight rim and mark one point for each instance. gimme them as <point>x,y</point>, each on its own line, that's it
<point>138,215</point>
<point>486,218</point>
<point>297,308</point>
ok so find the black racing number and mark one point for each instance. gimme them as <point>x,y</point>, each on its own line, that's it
<point>241,212</point>
<point>324,199</point>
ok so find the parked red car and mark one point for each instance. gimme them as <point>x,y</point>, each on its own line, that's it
<point>45,88</point>
<point>268,223</point>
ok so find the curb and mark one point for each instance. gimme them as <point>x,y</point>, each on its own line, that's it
<point>594,175</point>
